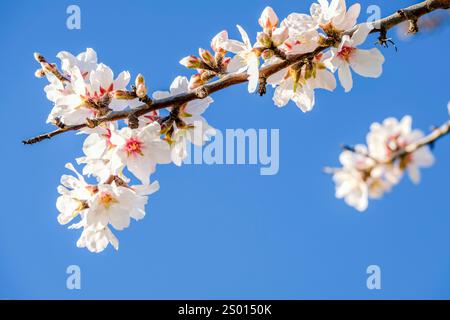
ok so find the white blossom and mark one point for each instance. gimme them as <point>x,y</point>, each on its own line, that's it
<point>268,20</point>
<point>392,136</point>
<point>96,240</point>
<point>303,34</point>
<point>299,85</point>
<point>334,14</point>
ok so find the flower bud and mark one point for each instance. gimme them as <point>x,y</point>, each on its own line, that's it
<point>195,81</point>
<point>206,56</point>
<point>268,20</point>
<point>264,40</point>
<point>225,63</point>
<point>279,36</point>
<point>191,62</point>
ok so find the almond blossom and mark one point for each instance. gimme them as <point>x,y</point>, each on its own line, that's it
<point>96,240</point>
<point>98,150</point>
<point>208,65</point>
<point>268,20</point>
<point>85,61</point>
<point>74,193</point>
<point>367,63</point>
<point>114,204</point>
<point>100,206</point>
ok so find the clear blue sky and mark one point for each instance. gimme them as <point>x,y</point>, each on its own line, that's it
<point>223,231</point>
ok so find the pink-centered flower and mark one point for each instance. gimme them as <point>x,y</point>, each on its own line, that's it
<point>198,131</point>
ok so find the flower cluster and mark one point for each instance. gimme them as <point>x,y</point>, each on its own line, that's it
<point>328,37</point>
<point>368,171</point>
<point>85,90</point>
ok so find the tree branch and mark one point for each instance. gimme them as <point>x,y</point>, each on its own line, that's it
<point>411,13</point>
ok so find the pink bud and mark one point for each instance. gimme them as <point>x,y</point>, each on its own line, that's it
<point>139,79</point>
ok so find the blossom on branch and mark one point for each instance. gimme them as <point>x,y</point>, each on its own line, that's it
<point>130,130</point>
<point>188,124</point>
<point>99,206</point>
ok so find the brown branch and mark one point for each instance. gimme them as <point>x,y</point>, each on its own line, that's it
<point>382,25</point>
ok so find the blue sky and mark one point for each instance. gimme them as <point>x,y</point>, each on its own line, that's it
<point>223,231</point>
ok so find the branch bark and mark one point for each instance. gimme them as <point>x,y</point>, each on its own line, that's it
<point>411,13</point>
<point>430,139</point>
